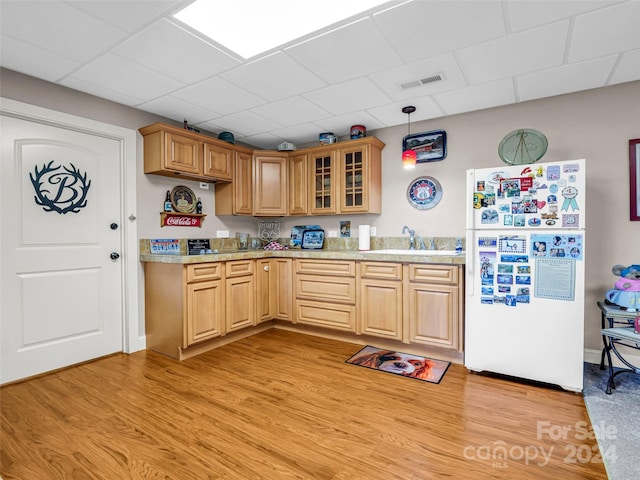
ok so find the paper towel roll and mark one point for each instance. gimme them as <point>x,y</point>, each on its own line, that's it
<point>364,237</point>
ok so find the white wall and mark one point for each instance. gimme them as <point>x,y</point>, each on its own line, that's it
<point>595,124</point>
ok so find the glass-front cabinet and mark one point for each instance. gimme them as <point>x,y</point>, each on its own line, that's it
<point>323,183</point>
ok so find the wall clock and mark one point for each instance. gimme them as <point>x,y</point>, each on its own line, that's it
<point>424,193</point>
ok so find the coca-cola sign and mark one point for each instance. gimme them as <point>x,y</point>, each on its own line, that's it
<point>170,220</point>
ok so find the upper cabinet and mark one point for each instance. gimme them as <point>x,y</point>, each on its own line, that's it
<point>342,178</point>
<point>346,177</point>
<point>173,151</point>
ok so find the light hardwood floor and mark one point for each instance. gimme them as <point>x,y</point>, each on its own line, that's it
<point>282,405</point>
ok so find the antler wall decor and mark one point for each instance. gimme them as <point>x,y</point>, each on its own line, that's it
<point>60,191</point>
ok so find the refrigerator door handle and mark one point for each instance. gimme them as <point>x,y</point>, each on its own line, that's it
<point>469,205</point>
<point>469,263</point>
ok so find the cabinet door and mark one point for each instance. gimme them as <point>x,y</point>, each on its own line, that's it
<point>218,162</point>
<point>282,269</point>
<point>264,287</point>
<point>205,311</point>
<point>240,306</point>
<point>182,154</point>
<point>353,171</point>
<point>323,183</point>
<point>433,310</point>
<point>270,185</point>
<point>298,185</point>
<point>380,303</point>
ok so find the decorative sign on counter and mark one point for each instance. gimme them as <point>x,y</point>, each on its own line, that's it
<point>181,219</point>
<point>164,246</point>
<point>198,246</point>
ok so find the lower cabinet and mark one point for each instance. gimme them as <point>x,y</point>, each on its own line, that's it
<point>240,293</point>
<point>274,298</point>
<point>380,308</point>
<point>325,292</point>
<point>434,306</point>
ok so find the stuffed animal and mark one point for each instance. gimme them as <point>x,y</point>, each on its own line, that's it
<point>626,293</point>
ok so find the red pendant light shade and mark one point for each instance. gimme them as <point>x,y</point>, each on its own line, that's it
<point>409,156</point>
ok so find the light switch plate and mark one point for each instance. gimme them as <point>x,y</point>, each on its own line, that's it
<point>222,233</point>
<point>204,185</point>
<point>333,233</point>
<point>372,231</point>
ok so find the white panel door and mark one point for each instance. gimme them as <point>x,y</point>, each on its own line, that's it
<point>61,225</point>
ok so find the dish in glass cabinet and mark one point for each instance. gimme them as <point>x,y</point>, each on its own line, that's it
<point>424,193</point>
<point>183,199</point>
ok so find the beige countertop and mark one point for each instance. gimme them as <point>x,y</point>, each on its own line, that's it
<point>410,257</point>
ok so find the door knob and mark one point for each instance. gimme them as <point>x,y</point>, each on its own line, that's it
<point>114,226</point>
<point>114,256</point>
<point>266,268</point>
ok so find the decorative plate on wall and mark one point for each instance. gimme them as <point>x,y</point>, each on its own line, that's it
<point>523,146</point>
<point>424,193</point>
<point>183,199</point>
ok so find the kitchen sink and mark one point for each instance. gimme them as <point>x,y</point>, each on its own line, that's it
<point>429,253</point>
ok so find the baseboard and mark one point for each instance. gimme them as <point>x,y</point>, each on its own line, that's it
<point>592,355</point>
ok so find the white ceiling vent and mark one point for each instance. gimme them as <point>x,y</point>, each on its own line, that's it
<point>423,81</point>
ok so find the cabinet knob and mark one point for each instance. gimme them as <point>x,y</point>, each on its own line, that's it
<point>266,268</point>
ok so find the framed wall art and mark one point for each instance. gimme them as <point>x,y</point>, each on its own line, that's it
<point>634,179</point>
<point>429,146</point>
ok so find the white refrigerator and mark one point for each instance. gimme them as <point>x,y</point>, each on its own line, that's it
<point>525,257</point>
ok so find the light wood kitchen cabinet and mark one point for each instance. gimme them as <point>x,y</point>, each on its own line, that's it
<point>274,299</point>
<point>240,294</point>
<point>325,292</point>
<point>360,184</point>
<point>298,184</point>
<point>218,161</point>
<point>434,305</point>
<point>184,305</point>
<point>270,183</point>
<point>346,178</point>
<point>380,304</point>
<point>236,198</point>
<point>323,182</point>
<point>173,151</point>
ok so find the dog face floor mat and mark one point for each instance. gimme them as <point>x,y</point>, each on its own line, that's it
<point>398,363</point>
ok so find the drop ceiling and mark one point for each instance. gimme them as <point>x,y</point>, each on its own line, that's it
<point>360,71</point>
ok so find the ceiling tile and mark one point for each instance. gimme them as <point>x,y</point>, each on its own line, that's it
<point>292,111</point>
<point>565,79</point>
<point>128,15</point>
<point>37,62</point>
<point>244,124</point>
<point>391,81</point>
<point>219,95</point>
<point>392,114</point>
<point>178,110</point>
<point>299,134</point>
<point>628,68</point>
<point>424,29</point>
<point>168,48</point>
<point>341,125</point>
<point>606,31</point>
<point>139,82</point>
<point>515,54</point>
<point>477,97</point>
<point>349,52</point>
<point>264,141</point>
<point>349,96</point>
<point>274,77</point>
<point>59,28</point>
<point>99,91</point>
<point>524,14</point>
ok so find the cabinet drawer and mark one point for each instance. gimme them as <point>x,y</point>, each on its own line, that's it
<point>433,273</point>
<point>336,289</point>
<point>340,317</point>
<point>239,268</point>
<point>326,267</point>
<point>204,271</point>
<point>384,271</point>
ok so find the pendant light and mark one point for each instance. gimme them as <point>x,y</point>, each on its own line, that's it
<point>409,156</point>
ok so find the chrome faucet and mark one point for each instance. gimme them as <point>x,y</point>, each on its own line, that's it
<point>421,244</point>
<point>412,237</point>
<point>432,244</point>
